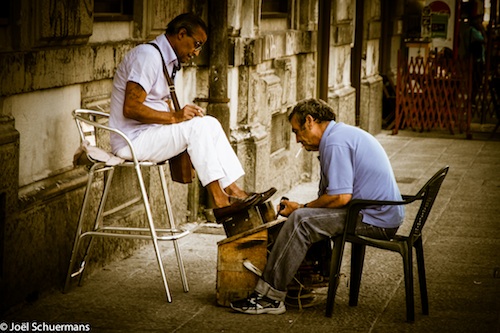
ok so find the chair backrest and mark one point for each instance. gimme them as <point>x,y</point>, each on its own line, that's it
<point>427,195</point>
<point>89,121</point>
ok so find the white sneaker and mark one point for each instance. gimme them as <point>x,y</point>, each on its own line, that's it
<point>259,304</point>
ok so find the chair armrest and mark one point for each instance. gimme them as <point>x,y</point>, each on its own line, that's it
<point>356,205</point>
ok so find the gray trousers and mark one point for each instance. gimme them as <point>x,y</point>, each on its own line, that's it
<point>304,227</point>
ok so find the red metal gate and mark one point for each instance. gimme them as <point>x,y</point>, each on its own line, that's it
<point>433,94</point>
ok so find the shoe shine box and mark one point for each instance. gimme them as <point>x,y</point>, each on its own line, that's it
<point>248,219</point>
<point>247,241</point>
<point>234,281</point>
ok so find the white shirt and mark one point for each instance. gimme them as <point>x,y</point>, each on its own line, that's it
<point>142,65</point>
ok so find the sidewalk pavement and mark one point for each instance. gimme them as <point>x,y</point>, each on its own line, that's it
<point>461,244</point>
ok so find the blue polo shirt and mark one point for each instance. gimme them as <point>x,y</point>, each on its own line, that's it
<point>354,162</point>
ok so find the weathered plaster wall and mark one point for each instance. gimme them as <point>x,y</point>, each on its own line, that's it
<point>51,62</point>
<point>48,136</point>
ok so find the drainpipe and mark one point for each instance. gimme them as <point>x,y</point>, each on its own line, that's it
<point>323,48</point>
<point>218,60</point>
<point>456,29</point>
<point>217,83</point>
<point>357,55</point>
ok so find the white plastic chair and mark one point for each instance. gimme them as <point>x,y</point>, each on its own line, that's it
<point>99,160</point>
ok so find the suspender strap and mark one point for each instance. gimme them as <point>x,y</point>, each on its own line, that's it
<point>170,82</point>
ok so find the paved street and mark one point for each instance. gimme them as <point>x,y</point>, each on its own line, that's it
<point>461,244</point>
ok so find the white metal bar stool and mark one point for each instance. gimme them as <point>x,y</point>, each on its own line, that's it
<point>101,161</point>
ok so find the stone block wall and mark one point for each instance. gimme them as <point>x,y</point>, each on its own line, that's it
<point>370,117</point>
<point>49,68</point>
<point>341,96</point>
<point>371,99</point>
<point>9,169</point>
<point>276,70</point>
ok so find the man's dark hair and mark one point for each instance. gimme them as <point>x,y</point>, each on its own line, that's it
<point>188,21</point>
<point>317,108</point>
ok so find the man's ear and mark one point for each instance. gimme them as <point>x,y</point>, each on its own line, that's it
<point>309,121</point>
<point>182,32</point>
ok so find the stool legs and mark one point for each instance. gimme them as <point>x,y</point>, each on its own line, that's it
<point>78,234</point>
<point>154,236</point>
<point>108,231</point>
<point>108,175</point>
<point>171,220</point>
<point>76,242</point>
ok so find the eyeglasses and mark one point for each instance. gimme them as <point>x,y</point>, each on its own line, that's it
<point>197,44</point>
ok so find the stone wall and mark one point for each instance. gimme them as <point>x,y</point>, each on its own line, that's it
<point>341,95</point>
<point>370,117</point>
<point>9,166</point>
<point>50,66</point>
<point>275,68</point>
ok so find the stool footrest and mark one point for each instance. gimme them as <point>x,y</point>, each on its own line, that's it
<point>113,232</point>
<point>80,271</point>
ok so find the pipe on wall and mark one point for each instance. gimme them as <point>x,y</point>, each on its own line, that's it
<point>325,7</point>
<point>218,59</point>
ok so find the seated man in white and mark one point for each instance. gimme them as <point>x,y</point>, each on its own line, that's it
<point>141,108</point>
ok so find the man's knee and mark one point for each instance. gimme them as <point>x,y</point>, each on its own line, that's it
<point>209,121</point>
<point>298,221</point>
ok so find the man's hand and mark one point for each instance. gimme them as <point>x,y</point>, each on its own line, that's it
<point>188,112</point>
<point>286,207</point>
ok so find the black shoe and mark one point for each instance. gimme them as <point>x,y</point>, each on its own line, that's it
<point>264,196</point>
<point>236,206</point>
<point>259,304</point>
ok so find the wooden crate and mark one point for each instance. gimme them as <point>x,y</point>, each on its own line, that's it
<point>234,281</point>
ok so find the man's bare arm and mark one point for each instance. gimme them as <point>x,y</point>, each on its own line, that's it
<point>134,108</point>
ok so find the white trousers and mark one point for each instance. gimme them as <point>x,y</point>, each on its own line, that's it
<point>212,156</point>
